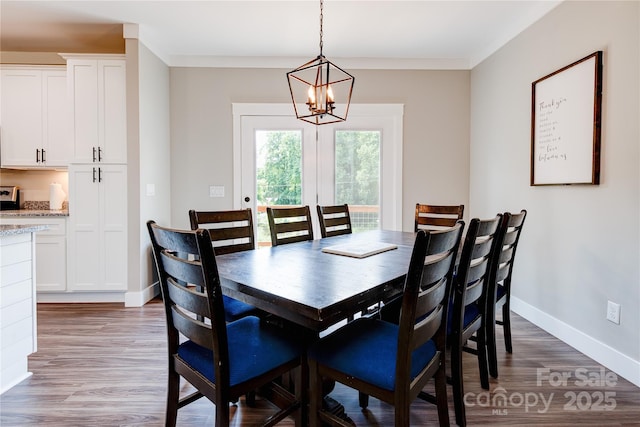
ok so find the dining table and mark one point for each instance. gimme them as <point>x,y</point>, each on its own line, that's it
<point>314,285</point>
<point>313,288</point>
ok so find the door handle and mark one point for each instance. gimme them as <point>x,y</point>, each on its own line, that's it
<point>99,154</point>
<point>44,157</point>
<point>99,174</point>
<point>37,155</point>
<point>247,199</point>
<point>94,174</point>
<point>94,154</point>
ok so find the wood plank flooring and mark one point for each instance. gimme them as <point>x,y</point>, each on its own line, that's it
<point>104,365</point>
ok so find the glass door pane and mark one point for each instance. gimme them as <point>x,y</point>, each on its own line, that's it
<point>278,174</point>
<point>357,176</point>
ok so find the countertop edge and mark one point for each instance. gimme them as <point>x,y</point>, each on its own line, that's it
<point>27,213</point>
<point>12,230</point>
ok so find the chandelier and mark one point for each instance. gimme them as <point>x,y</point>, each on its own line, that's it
<point>320,90</point>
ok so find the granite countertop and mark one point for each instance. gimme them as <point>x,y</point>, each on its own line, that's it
<point>34,212</point>
<point>12,230</point>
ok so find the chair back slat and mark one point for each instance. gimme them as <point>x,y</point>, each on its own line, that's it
<point>426,328</point>
<point>230,231</point>
<point>178,267</point>
<point>289,225</point>
<point>334,220</point>
<point>196,331</point>
<point>432,217</point>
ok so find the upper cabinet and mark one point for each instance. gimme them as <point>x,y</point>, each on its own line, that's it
<point>34,117</point>
<point>97,89</point>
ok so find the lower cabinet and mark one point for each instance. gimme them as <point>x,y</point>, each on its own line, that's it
<point>51,252</point>
<point>98,228</point>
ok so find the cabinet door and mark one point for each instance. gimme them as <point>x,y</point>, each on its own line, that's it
<point>98,93</point>
<point>98,219</point>
<point>83,93</point>
<point>21,117</point>
<point>112,103</point>
<point>56,115</point>
<point>113,210</point>
<point>51,258</point>
<point>84,219</point>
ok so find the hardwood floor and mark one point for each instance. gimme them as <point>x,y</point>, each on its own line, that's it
<point>104,365</point>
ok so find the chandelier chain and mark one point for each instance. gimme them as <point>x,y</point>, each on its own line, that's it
<point>321,17</point>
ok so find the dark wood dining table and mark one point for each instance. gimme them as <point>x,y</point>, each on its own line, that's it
<point>301,283</point>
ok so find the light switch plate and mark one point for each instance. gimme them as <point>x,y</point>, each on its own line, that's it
<point>216,191</point>
<point>151,189</point>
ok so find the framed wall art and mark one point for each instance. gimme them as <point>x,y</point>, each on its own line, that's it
<point>565,124</point>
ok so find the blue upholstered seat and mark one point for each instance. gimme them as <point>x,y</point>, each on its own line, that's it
<point>471,313</point>
<point>350,350</point>
<point>253,350</point>
<point>235,309</point>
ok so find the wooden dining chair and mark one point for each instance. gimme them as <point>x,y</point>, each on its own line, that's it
<point>230,231</point>
<point>393,362</point>
<point>502,271</point>
<point>435,217</point>
<point>334,220</point>
<point>289,224</point>
<point>468,305</point>
<point>221,360</point>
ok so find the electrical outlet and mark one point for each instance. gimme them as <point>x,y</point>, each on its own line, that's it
<point>613,312</point>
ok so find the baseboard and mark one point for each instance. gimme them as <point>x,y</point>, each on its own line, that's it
<point>140,298</point>
<point>79,297</point>
<point>607,356</point>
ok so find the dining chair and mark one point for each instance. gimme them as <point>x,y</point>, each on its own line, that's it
<point>434,217</point>
<point>468,305</point>
<point>221,360</point>
<point>502,270</point>
<point>230,231</point>
<point>393,362</point>
<point>289,224</point>
<point>334,220</point>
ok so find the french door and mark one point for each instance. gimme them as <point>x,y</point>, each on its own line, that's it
<point>282,161</point>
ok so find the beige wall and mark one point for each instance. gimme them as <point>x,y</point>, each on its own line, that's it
<point>436,131</point>
<point>580,245</point>
<point>148,162</point>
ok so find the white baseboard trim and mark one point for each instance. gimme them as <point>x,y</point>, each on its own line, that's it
<point>79,297</point>
<point>607,356</point>
<point>138,299</point>
<point>14,382</point>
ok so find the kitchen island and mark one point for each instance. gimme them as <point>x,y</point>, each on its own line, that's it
<point>18,325</point>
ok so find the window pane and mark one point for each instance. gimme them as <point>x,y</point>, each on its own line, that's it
<point>357,176</point>
<point>278,174</point>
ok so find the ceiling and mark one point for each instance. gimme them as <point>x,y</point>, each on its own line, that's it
<point>415,34</point>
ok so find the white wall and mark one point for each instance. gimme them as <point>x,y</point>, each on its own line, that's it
<point>580,244</point>
<point>148,163</point>
<point>436,131</point>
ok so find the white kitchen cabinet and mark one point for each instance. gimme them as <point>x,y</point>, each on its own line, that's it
<point>98,227</point>
<point>51,251</point>
<point>34,117</point>
<point>97,89</point>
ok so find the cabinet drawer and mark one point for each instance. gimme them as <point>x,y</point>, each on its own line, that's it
<point>57,226</point>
